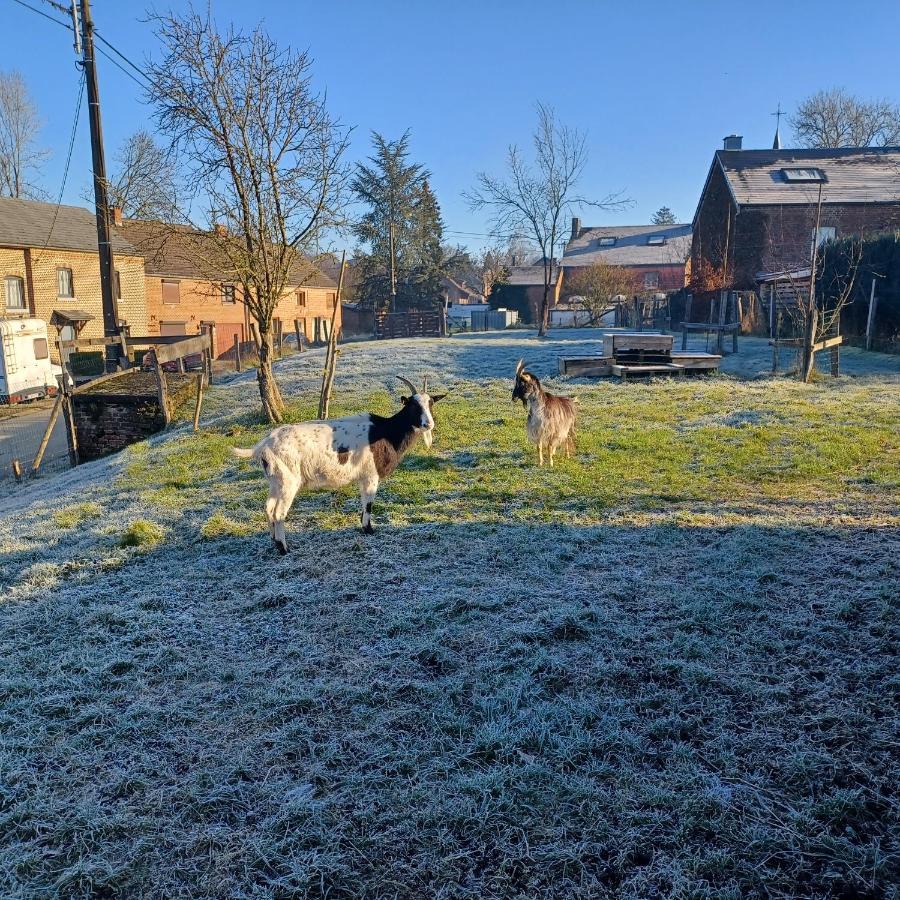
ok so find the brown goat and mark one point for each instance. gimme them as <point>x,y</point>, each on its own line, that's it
<point>551,419</point>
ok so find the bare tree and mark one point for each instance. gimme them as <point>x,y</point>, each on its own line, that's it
<point>260,143</point>
<point>536,198</point>
<point>144,184</point>
<point>599,286</point>
<point>835,118</point>
<point>20,158</point>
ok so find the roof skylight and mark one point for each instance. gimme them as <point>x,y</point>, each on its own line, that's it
<point>804,176</point>
<point>606,242</point>
<point>656,240</point>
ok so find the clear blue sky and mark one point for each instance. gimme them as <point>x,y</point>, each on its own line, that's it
<point>656,84</point>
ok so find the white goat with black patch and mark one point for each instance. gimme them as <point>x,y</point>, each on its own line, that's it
<point>337,452</point>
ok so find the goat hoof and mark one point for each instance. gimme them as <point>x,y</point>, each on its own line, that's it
<point>282,547</point>
<point>368,529</point>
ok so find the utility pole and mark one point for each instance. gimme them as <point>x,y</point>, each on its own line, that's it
<point>101,198</point>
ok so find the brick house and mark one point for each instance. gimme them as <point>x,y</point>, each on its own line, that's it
<point>49,262</point>
<point>757,211</point>
<point>183,294</point>
<point>657,256</point>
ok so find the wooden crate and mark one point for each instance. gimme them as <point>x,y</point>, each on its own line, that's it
<point>637,342</point>
<point>585,366</point>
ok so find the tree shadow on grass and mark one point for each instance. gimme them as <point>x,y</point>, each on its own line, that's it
<point>483,708</point>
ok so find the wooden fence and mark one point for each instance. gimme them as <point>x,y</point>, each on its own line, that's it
<point>409,324</point>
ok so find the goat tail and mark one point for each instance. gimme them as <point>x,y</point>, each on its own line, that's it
<point>241,453</point>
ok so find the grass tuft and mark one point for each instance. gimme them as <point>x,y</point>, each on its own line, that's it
<point>70,516</point>
<point>141,533</point>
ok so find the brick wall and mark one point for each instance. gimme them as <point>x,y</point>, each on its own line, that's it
<point>43,294</point>
<point>108,422</point>
<point>201,301</point>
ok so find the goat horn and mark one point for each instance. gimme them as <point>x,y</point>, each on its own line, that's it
<point>520,366</point>
<point>409,384</point>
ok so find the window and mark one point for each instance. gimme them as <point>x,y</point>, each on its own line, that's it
<point>15,293</point>
<point>824,234</point>
<point>651,280</point>
<point>171,291</point>
<point>808,176</point>
<point>65,286</point>
<point>228,293</point>
<point>118,285</point>
<point>606,242</point>
<point>332,300</point>
<point>41,350</point>
<point>656,240</point>
<point>301,298</point>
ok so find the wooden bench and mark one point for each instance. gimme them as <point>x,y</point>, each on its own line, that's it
<point>623,371</point>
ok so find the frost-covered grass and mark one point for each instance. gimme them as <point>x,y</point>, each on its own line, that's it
<point>665,668</point>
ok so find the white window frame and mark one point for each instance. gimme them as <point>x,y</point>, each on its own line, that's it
<point>20,286</point>
<point>65,274</point>
<point>648,285</point>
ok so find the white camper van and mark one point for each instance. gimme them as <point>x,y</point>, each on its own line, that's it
<point>26,372</point>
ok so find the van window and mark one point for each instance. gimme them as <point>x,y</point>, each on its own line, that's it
<point>41,350</point>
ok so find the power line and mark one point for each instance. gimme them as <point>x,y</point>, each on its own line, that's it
<point>121,55</point>
<point>121,68</point>
<point>68,161</point>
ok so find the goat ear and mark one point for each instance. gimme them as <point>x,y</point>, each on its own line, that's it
<point>436,397</point>
<point>404,400</point>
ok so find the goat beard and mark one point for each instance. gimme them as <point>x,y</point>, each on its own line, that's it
<point>427,437</point>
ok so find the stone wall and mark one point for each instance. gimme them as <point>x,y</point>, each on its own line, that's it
<point>123,411</point>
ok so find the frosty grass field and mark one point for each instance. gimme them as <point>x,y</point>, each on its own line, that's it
<point>666,668</point>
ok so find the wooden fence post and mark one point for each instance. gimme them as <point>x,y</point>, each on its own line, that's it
<point>199,401</point>
<point>870,319</point>
<point>237,353</point>
<point>162,391</point>
<point>71,433</point>
<point>54,415</point>
<point>297,333</point>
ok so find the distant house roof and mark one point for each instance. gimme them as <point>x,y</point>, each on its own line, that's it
<point>179,251</point>
<point>629,245</point>
<point>848,175</point>
<point>525,276</point>
<point>32,224</point>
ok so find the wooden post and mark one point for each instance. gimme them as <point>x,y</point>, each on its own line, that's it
<point>124,359</point>
<point>836,360</point>
<point>162,391</point>
<point>54,415</point>
<point>17,469</point>
<point>870,319</point>
<point>181,365</point>
<point>71,434</point>
<point>237,353</point>
<point>723,311</point>
<point>331,353</point>
<point>297,333</point>
<point>688,308</point>
<point>199,401</point>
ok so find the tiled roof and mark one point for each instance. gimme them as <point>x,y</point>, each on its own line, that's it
<point>630,247</point>
<point>32,224</point>
<point>525,276</point>
<point>853,175</point>
<point>183,252</point>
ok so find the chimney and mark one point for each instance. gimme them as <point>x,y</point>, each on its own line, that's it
<point>220,229</point>
<point>117,216</point>
<point>576,228</point>
<point>733,142</point>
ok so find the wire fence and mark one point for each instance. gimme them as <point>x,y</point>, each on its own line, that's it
<point>21,431</point>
